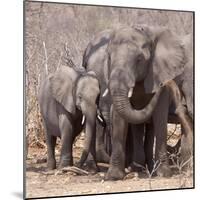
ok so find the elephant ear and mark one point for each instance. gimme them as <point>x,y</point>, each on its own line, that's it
<point>168,59</point>
<point>61,86</point>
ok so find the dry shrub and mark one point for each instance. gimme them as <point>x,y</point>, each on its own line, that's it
<point>58,24</point>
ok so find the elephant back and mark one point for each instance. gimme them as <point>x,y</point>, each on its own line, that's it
<point>95,55</point>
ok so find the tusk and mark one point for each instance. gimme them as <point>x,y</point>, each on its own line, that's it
<point>83,120</point>
<point>130,92</point>
<point>100,118</point>
<point>105,92</point>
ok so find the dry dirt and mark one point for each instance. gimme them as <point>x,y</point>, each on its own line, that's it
<point>41,182</point>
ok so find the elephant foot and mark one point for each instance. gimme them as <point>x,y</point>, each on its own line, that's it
<point>186,150</point>
<point>91,167</point>
<point>135,167</point>
<point>114,173</point>
<point>65,163</point>
<point>102,156</point>
<point>164,171</point>
<point>51,164</point>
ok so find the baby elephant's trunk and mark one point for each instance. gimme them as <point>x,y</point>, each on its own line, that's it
<point>89,136</point>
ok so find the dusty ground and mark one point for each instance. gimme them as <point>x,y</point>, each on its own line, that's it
<point>40,182</point>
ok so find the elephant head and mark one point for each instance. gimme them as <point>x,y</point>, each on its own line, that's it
<point>75,91</point>
<point>136,54</point>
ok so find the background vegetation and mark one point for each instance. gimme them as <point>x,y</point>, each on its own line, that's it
<point>56,31</point>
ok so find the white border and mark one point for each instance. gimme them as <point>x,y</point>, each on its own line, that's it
<point>11,91</point>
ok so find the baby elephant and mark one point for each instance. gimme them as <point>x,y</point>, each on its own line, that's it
<point>66,98</point>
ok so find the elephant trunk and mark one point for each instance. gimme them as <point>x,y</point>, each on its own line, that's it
<point>89,136</point>
<point>120,96</point>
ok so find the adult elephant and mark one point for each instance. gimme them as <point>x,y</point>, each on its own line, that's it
<point>187,88</point>
<point>95,58</point>
<point>132,62</point>
<point>180,111</point>
<point>65,97</point>
<point>185,84</point>
<point>187,81</point>
<point>140,140</point>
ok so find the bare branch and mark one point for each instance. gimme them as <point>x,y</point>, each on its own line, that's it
<point>59,61</point>
<point>75,170</point>
<point>172,132</point>
<point>46,59</point>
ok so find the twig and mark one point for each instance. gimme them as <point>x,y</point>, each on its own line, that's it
<point>179,165</point>
<point>75,170</point>
<point>68,57</point>
<point>45,53</point>
<point>186,162</point>
<point>172,133</point>
<point>49,56</point>
<point>59,61</point>
<point>31,56</point>
<point>37,142</point>
<point>150,174</point>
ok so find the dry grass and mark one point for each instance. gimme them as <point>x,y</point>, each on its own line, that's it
<point>41,182</point>
<point>51,27</point>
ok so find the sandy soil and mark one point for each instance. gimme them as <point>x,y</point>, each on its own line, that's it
<point>41,183</point>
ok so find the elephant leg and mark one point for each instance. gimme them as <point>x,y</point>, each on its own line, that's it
<point>186,153</point>
<point>186,121</point>
<point>66,130</point>
<point>138,155</point>
<point>51,143</point>
<point>108,141</point>
<point>149,146</point>
<point>101,154</point>
<point>116,170</point>
<point>129,147</point>
<point>186,150</point>
<point>160,120</point>
<point>91,162</point>
<point>107,131</point>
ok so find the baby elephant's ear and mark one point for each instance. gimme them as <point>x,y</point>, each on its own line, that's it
<point>61,85</point>
<point>168,59</point>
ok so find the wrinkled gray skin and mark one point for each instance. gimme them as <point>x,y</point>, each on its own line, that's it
<point>64,98</point>
<point>138,59</point>
<point>140,143</point>
<point>95,58</point>
<point>180,111</point>
<point>187,76</point>
<point>186,86</point>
